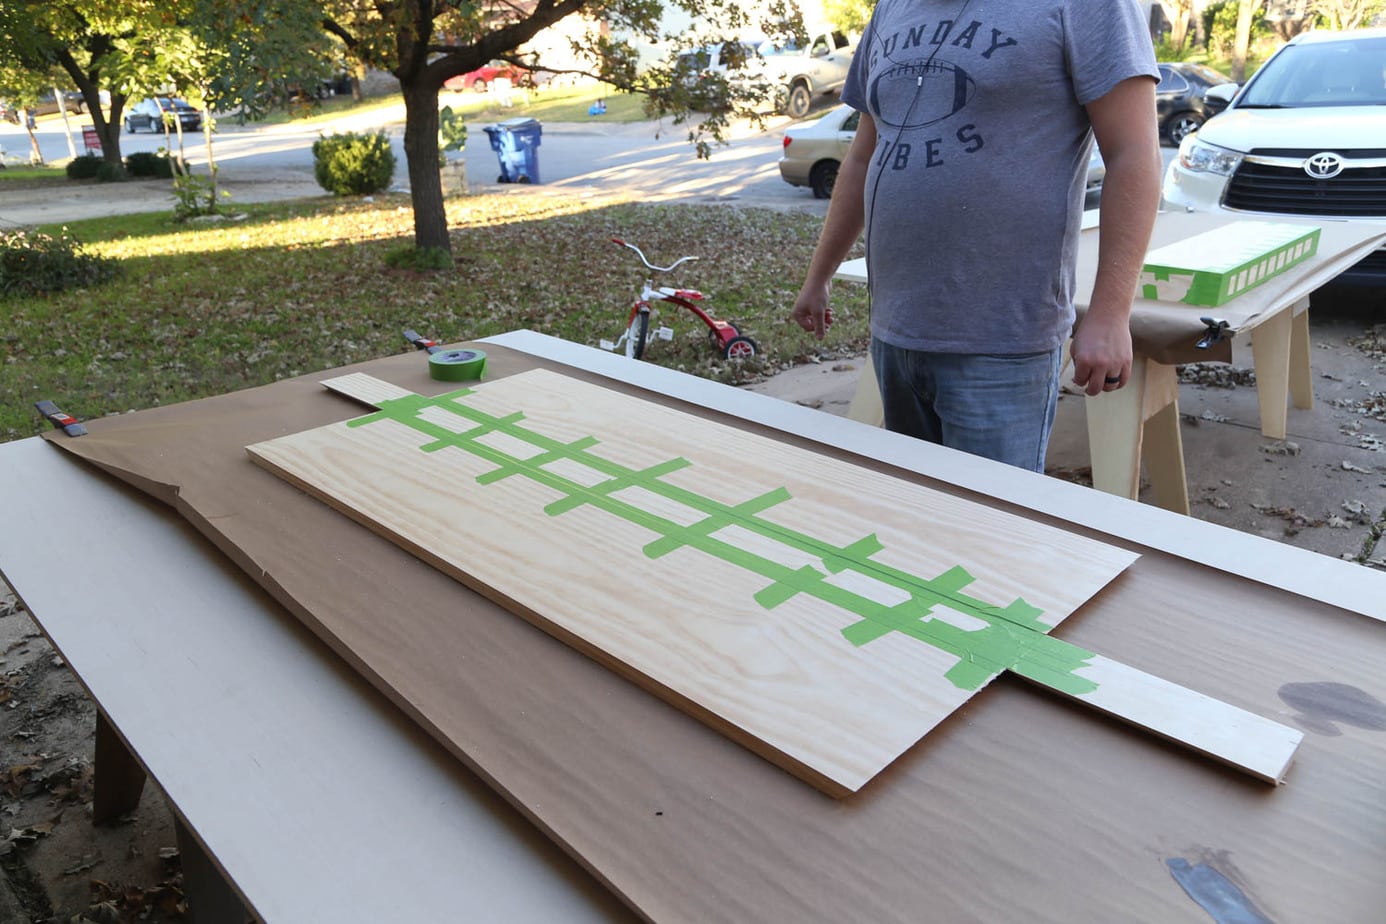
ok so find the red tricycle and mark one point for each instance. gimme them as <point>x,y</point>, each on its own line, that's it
<point>725,337</point>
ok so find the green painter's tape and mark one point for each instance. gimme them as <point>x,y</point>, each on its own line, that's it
<point>1013,638</point>
<point>456,365</point>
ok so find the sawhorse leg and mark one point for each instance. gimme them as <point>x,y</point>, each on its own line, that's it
<point>1119,423</point>
<point>118,779</point>
<point>1280,353</point>
<point>866,404</point>
<point>211,900</point>
<point>118,783</point>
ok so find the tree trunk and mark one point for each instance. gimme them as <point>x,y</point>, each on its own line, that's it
<point>211,158</point>
<point>1200,34</point>
<point>421,152</point>
<point>1177,13</point>
<point>35,152</point>
<point>1245,9</point>
<point>67,123</point>
<point>108,129</point>
<point>89,83</point>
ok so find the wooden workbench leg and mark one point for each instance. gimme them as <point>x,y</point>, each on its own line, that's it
<point>211,900</point>
<point>1301,381</point>
<point>1270,350</point>
<point>118,779</point>
<point>1114,434</point>
<point>866,402</point>
<point>1164,459</point>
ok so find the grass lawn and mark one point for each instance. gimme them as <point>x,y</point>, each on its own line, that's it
<point>552,104</point>
<point>300,287</point>
<point>33,177</point>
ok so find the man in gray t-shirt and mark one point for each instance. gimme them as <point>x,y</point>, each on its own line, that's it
<point>967,174</point>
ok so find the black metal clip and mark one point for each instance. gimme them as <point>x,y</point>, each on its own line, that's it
<point>421,342</point>
<point>65,422</point>
<point>1216,331</point>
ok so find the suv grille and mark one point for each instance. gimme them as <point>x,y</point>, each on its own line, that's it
<point>1373,263</point>
<point>1357,192</point>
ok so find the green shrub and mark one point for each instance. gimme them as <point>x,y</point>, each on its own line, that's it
<point>420,259</point>
<point>196,195</point>
<point>83,167</point>
<point>452,133</point>
<point>352,163</point>
<point>147,163</point>
<point>108,172</point>
<point>32,262</point>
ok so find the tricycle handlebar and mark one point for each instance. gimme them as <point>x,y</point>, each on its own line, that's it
<point>645,260</point>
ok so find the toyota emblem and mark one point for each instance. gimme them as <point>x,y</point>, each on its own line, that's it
<point>1324,166</point>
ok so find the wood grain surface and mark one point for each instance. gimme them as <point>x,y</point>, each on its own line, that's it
<point>708,564</point>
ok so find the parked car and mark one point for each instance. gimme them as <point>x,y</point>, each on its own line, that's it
<point>1305,137</point>
<point>701,69</point>
<point>480,79</point>
<point>812,154</point>
<point>793,71</point>
<point>48,103</point>
<point>806,68</point>
<point>148,114</point>
<point>1181,100</point>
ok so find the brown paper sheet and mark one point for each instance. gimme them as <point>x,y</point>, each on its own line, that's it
<point>1169,332</point>
<point>1018,807</point>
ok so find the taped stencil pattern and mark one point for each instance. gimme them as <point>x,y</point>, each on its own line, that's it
<point>1009,637</point>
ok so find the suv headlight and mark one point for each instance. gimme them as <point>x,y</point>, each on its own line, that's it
<point>1201,157</point>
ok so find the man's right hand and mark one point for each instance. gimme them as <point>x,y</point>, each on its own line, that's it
<point>812,311</point>
<point>842,227</point>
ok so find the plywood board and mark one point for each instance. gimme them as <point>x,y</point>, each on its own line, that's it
<point>822,614</point>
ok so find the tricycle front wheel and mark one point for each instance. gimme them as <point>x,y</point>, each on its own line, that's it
<point>740,347</point>
<point>639,328</point>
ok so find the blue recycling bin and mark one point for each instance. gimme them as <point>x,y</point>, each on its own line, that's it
<point>516,143</point>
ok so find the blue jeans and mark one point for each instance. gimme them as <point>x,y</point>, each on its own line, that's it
<point>1000,407</point>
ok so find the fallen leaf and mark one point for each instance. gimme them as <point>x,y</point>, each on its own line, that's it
<point>1356,508</point>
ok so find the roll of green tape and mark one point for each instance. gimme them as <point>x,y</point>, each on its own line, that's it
<point>456,365</point>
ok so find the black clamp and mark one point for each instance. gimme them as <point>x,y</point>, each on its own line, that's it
<point>1217,330</point>
<point>65,422</point>
<point>421,342</point>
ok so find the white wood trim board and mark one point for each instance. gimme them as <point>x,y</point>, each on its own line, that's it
<point>1275,564</point>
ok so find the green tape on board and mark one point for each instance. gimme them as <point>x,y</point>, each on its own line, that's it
<point>456,365</point>
<point>1010,637</point>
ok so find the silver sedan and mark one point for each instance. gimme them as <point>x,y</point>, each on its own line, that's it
<point>813,152</point>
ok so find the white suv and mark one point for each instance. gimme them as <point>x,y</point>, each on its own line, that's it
<point>1306,136</point>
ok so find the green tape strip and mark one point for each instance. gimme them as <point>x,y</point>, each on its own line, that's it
<point>456,365</point>
<point>1013,637</point>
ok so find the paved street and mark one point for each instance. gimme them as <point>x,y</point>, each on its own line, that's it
<point>652,160</point>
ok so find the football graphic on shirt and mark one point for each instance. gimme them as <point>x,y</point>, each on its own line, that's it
<point>920,93</point>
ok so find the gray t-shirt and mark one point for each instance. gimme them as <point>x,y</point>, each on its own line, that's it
<point>974,195</point>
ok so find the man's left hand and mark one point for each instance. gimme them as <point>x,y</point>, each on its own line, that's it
<point>1101,353</point>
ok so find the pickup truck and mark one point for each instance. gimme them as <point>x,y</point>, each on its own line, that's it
<point>806,69</point>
